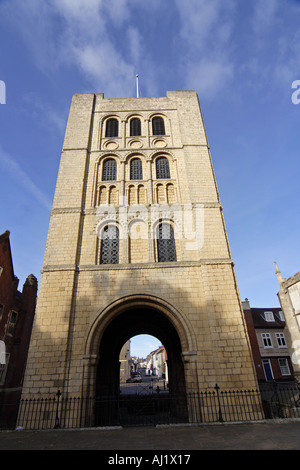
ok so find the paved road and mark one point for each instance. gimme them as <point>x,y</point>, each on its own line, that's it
<point>275,435</point>
<point>148,386</point>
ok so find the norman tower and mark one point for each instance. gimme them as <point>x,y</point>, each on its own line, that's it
<point>137,244</point>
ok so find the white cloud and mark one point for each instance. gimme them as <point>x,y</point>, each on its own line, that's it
<point>76,33</point>
<point>275,43</point>
<point>23,179</point>
<point>79,9</point>
<point>32,20</point>
<point>117,10</point>
<point>34,104</point>
<point>287,66</point>
<point>135,44</point>
<point>105,66</point>
<point>265,16</point>
<point>228,43</point>
<point>82,22</point>
<point>204,23</point>
<point>206,28</point>
<point>208,78</point>
<point>142,345</point>
<point>107,42</point>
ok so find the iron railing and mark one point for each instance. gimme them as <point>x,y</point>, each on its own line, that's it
<point>281,400</point>
<point>210,406</point>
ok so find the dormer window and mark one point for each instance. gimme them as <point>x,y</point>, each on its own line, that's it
<point>281,316</point>
<point>268,316</point>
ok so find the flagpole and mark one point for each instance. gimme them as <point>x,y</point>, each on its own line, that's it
<point>137,86</point>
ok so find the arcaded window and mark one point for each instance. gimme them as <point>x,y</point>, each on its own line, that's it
<point>135,127</point>
<point>112,128</point>
<point>110,245</point>
<point>158,126</point>
<point>162,168</point>
<point>136,169</point>
<point>109,172</point>
<point>166,250</point>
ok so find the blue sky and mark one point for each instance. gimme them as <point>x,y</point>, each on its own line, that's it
<point>241,57</point>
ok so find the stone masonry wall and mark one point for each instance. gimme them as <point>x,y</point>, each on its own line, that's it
<point>75,288</point>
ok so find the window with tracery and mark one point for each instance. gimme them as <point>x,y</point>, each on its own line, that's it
<point>166,249</point>
<point>109,172</point>
<point>136,169</point>
<point>135,127</point>
<point>110,245</point>
<point>162,168</point>
<point>112,128</point>
<point>158,126</point>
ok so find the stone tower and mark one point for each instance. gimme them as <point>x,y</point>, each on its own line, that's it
<point>289,298</point>
<point>137,244</point>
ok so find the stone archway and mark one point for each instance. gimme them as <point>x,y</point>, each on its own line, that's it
<point>134,321</point>
<point>130,316</point>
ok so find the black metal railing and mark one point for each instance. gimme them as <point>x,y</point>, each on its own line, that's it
<point>281,400</point>
<point>209,406</point>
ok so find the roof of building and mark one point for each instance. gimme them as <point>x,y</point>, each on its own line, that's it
<point>267,317</point>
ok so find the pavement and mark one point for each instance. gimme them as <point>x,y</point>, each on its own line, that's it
<point>262,435</point>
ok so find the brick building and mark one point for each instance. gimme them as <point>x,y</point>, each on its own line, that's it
<point>137,245</point>
<point>267,332</point>
<point>17,311</point>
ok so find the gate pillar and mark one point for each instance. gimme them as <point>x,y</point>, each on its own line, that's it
<point>189,359</point>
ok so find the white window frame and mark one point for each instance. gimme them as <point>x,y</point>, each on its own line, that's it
<point>269,316</point>
<point>281,340</point>
<point>267,340</point>
<point>281,316</point>
<point>3,369</point>
<point>284,368</point>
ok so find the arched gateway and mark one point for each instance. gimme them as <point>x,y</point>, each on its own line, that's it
<point>143,251</point>
<point>125,318</point>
